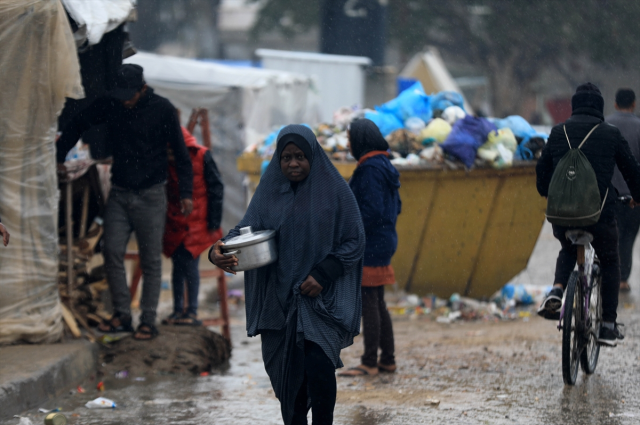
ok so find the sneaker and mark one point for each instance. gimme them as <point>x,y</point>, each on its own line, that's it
<point>550,307</point>
<point>609,337</point>
<point>619,335</point>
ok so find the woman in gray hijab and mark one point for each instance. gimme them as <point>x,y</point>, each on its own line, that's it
<point>307,305</point>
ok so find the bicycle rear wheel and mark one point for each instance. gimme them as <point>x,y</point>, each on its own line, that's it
<point>570,338</point>
<point>591,352</point>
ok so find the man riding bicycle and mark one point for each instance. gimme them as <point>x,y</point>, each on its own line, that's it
<point>604,149</point>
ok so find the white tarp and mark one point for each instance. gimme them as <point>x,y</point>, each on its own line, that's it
<point>39,65</point>
<point>98,17</point>
<point>244,104</point>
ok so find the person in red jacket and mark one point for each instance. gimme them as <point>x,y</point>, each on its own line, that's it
<point>185,238</point>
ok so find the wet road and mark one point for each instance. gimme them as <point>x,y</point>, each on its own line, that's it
<point>482,373</point>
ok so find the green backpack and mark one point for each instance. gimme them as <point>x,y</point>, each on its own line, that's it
<point>574,197</point>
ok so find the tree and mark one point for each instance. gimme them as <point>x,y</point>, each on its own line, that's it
<point>512,41</point>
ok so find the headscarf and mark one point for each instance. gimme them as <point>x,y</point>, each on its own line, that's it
<point>364,137</point>
<point>300,142</point>
<point>320,218</point>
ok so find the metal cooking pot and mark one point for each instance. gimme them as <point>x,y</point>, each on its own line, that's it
<point>252,249</point>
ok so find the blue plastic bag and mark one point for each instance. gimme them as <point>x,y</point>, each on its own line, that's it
<point>467,135</point>
<point>520,127</point>
<point>413,102</point>
<point>444,99</point>
<point>387,123</point>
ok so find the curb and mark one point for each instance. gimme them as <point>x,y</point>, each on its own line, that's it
<point>30,375</point>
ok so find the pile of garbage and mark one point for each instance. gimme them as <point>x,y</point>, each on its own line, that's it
<point>513,301</point>
<point>434,129</point>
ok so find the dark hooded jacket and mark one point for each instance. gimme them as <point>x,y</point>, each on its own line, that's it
<point>605,148</point>
<point>375,184</point>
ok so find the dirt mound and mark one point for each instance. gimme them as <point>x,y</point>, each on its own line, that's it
<point>178,350</point>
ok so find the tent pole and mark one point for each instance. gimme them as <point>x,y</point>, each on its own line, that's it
<point>69,228</point>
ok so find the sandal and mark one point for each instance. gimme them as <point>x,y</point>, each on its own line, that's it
<point>625,288</point>
<point>387,368</point>
<point>188,320</point>
<point>356,371</point>
<point>172,319</point>
<point>147,330</point>
<point>124,324</point>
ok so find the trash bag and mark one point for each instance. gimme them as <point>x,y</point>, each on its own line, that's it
<point>445,99</point>
<point>437,131</point>
<point>413,102</point>
<point>520,127</point>
<point>414,125</point>
<point>386,122</point>
<point>452,114</point>
<point>499,149</point>
<point>467,135</point>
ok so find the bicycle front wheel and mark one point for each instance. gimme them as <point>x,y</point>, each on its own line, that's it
<point>570,337</point>
<point>591,352</point>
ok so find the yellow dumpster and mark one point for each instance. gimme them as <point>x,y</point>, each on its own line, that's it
<point>465,232</point>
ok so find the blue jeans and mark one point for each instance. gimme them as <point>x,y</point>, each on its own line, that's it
<point>185,267</point>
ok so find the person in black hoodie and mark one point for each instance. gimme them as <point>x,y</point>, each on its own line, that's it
<point>375,184</point>
<point>142,125</point>
<point>605,148</point>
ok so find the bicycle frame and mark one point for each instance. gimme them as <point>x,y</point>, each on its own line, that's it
<point>586,256</point>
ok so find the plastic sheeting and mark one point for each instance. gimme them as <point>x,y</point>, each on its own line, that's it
<point>97,17</point>
<point>38,62</point>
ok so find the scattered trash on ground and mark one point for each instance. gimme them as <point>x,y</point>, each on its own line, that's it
<point>100,386</point>
<point>23,420</point>
<point>101,403</point>
<point>55,419</point>
<point>513,301</point>
<point>122,374</point>
<point>57,409</point>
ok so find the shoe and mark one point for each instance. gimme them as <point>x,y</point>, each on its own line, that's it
<point>550,307</point>
<point>609,337</point>
<point>619,335</point>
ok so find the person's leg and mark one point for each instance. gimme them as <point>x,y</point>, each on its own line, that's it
<point>117,231</point>
<point>387,346</point>
<point>148,217</point>
<point>321,378</point>
<point>301,407</point>
<point>566,262</point>
<point>370,326</point>
<point>193,283</point>
<point>178,276</point>
<point>605,243</point>
<point>567,257</point>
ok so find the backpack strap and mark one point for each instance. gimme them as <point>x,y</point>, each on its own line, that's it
<point>585,138</point>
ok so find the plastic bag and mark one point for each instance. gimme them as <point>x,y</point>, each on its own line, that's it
<point>520,127</point>
<point>387,123</point>
<point>499,149</point>
<point>413,102</point>
<point>452,114</point>
<point>467,135</point>
<point>414,125</point>
<point>437,131</point>
<point>445,99</point>
<point>100,403</point>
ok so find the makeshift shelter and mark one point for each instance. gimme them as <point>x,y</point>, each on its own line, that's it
<point>244,105</point>
<point>38,58</point>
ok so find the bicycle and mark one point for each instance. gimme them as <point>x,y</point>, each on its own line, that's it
<point>581,313</point>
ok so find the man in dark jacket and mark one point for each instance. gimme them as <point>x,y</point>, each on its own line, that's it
<point>141,125</point>
<point>628,218</point>
<point>604,149</point>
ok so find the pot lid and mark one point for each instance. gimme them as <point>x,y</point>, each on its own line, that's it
<point>248,237</point>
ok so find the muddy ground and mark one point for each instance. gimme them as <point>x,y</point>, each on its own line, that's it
<point>481,372</point>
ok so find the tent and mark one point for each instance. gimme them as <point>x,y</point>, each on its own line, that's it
<point>244,105</point>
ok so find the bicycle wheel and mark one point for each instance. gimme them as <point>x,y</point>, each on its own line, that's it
<point>570,337</point>
<point>589,356</point>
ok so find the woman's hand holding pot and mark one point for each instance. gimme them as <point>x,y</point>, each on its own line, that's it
<point>222,261</point>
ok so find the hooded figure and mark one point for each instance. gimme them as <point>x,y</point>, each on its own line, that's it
<point>375,184</point>
<point>605,148</point>
<point>320,239</point>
